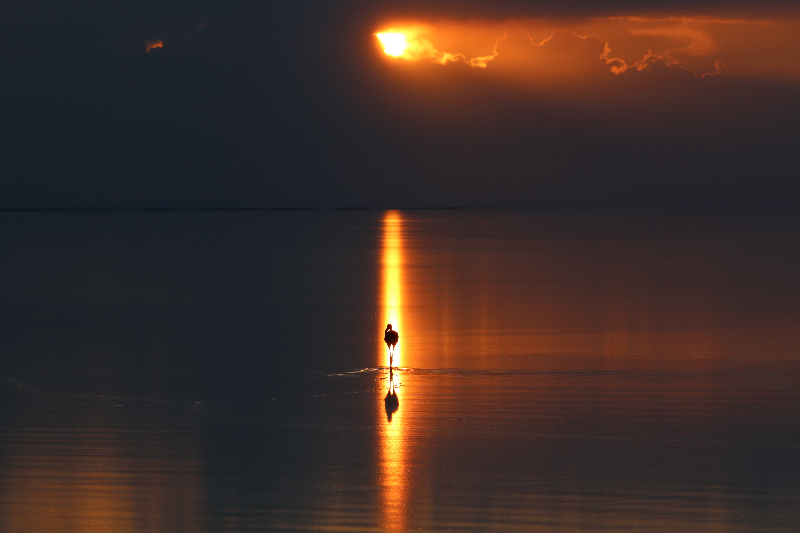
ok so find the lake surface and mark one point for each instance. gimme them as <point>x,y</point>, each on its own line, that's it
<point>224,371</point>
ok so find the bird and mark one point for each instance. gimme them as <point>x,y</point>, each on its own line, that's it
<point>391,337</point>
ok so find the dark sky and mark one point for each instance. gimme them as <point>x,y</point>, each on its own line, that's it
<point>289,104</point>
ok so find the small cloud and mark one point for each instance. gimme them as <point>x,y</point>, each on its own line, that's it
<point>563,55</point>
<point>721,69</point>
<point>686,40</point>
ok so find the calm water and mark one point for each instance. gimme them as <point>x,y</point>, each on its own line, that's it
<point>224,371</point>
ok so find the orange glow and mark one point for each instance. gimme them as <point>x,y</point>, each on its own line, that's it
<point>394,480</point>
<point>412,44</point>
<point>553,49</point>
<point>393,471</point>
<point>154,44</point>
<point>394,44</point>
<point>104,484</point>
<point>392,268</point>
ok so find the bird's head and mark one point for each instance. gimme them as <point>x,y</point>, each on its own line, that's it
<point>388,327</point>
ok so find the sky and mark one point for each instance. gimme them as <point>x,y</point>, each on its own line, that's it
<point>508,103</point>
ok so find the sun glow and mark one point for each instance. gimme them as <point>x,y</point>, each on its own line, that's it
<point>565,49</point>
<point>394,44</point>
<point>412,44</point>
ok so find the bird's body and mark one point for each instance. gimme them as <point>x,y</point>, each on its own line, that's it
<point>390,337</point>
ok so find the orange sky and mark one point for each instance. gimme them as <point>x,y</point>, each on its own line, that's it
<point>558,49</point>
<point>509,103</point>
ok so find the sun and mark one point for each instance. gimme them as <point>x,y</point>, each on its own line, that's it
<point>394,44</point>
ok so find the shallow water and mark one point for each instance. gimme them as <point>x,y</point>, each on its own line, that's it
<point>223,371</point>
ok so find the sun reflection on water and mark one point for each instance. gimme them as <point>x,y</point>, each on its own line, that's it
<point>393,476</point>
<point>392,269</point>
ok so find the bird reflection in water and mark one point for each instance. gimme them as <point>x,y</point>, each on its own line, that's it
<point>392,402</point>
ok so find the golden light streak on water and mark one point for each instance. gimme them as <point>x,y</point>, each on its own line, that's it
<point>393,473</point>
<point>392,270</point>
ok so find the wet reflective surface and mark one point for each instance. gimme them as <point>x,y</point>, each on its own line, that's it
<point>202,371</point>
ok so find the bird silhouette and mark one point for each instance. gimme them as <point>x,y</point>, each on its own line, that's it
<point>391,337</point>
